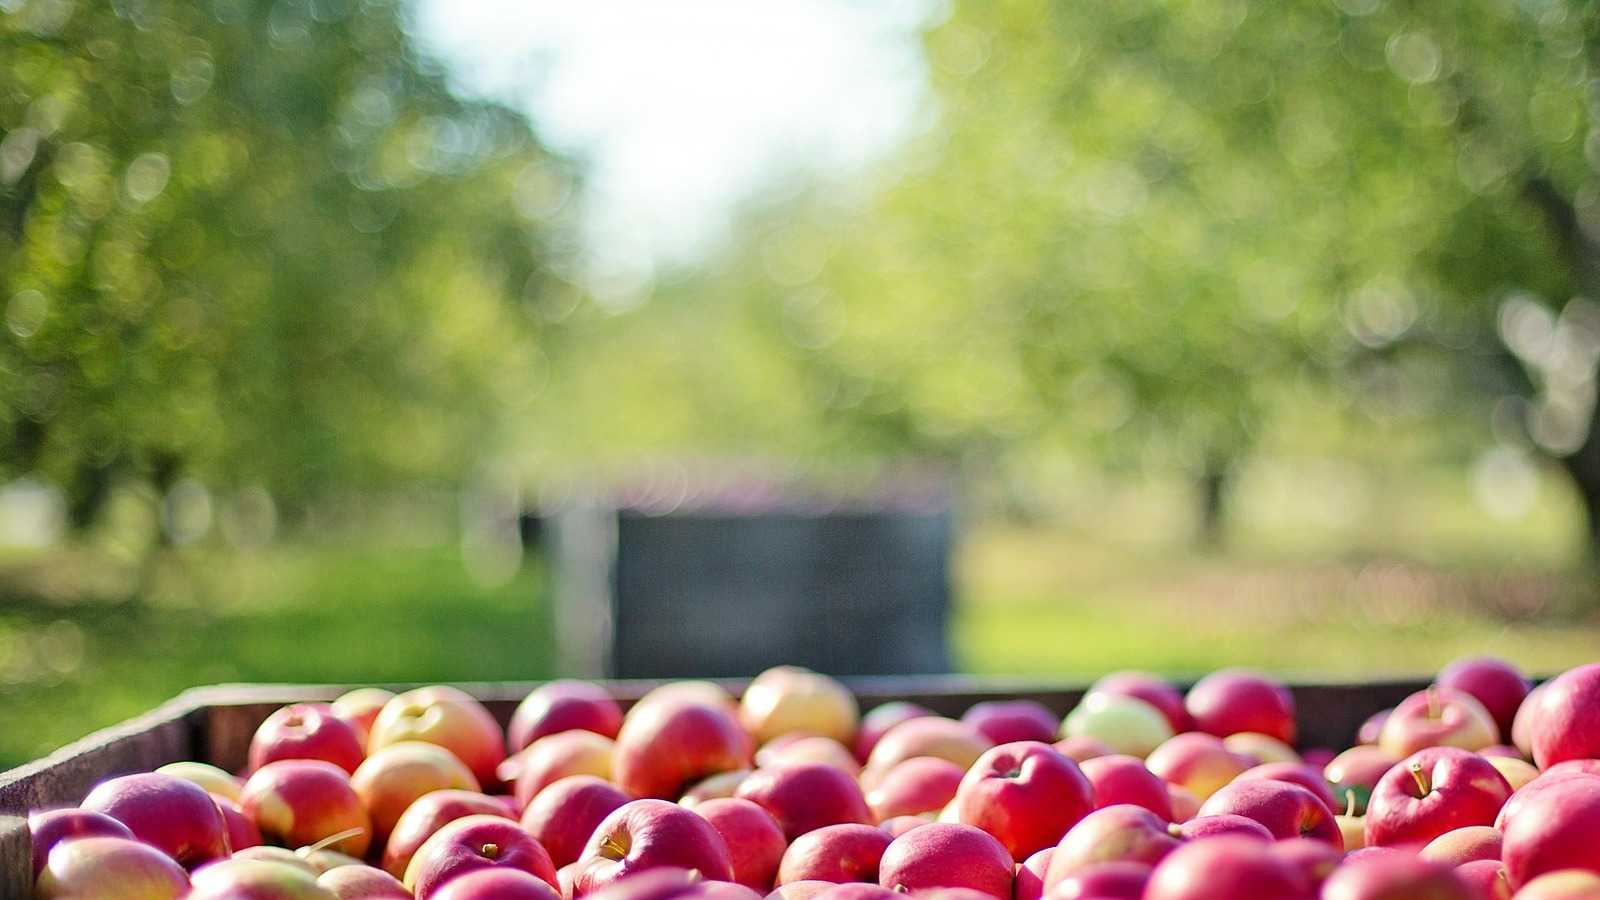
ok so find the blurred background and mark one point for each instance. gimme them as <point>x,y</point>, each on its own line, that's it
<point>1232,332</point>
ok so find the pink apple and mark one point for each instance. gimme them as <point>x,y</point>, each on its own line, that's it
<point>394,777</point>
<point>722,784</point>
<point>1495,683</point>
<point>242,830</point>
<point>901,824</point>
<point>173,815</point>
<point>473,843</point>
<point>363,883</point>
<point>563,706</point>
<point>496,884</point>
<point>1226,823</point>
<point>925,736</point>
<point>1288,810</point>
<point>1523,795</point>
<point>1030,876</point>
<point>1438,717</point>
<point>1104,881</point>
<point>648,834</point>
<point>1568,726</point>
<point>1083,747</point>
<point>306,731</point>
<point>1009,721</point>
<point>110,868</point>
<point>1555,829</point>
<point>1114,834</point>
<point>919,785</point>
<point>806,796</point>
<point>856,890</point>
<point>359,709</point>
<point>1225,868</point>
<point>557,756</point>
<point>51,827</point>
<point>255,879</point>
<point>810,748</point>
<point>1026,795</point>
<point>1463,845</point>
<point>1198,762</point>
<point>1152,690</point>
<point>1395,877</point>
<point>1487,878</point>
<point>666,746</point>
<point>1314,860</point>
<point>445,716</point>
<point>944,854</point>
<point>1527,720</point>
<point>1234,700</point>
<point>427,815</point>
<point>877,722</point>
<point>755,842</point>
<point>838,853</point>
<point>564,814</point>
<point>1294,773</point>
<point>1431,792</point>
<point>299,802</point>
<point>1124,779</point>
<point>1185,805</point>
<point>1572,884</point>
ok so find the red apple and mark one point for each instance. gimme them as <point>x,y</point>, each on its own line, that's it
<point>306,731</point>
<point>901,824</point>
<point>242,831</point>
<point>473,843</point>
<point>877,722</point>
<point>396,776</point>
<point>1487,877</point>
<point>838,853</point>
<point>173,815</point>
<point>50,827</point>
<point>1198,762</point>
<point>1234,700</point>
<point>557,756</point>
<point>1026,795</point>
<point>755,842</point>
<point>1185,805</point>
<point>1124,779</point>
<point>1438,717</point>
<point>919,785</point>
<point>1572,884</point>
<point>648,834</point>
<point>1555,829</point>
<point>110,868</point>
<point>1527,720</point>
<point>925,736</point>
<point>1495,683</point>
<point>564,814</point>
<point>1082,748</point>
<point>299,802</point>
<point>1568,723</point>
<point>669,745</point>
<point>1314,860</point>
<point>1294,773</point>
<point>359,709</point>
<point>563,706</point>
<point>496,884</point>
<point>212,779</point>
<point>427,815</point>
<point>856,890</point>
<point>1226,868</point>
<point>1288,810</point>
<point>256,879</point>
<point>1463,845</point>
<point>1152,690</point>
<point>1395,877</point>
<point>363,883</point>
<point>810,748</point>
<point>1547,780</point>
<point>1357,771</point>
<point>1104,881</point>
<point>1030,876</point>
<point>806,796</point>
<point>1431,792</point>
<point>1114,834</point>
<point>445,716</point>
<point>944,854</point>
<point>1009,721</point>
<point>1226,823</point>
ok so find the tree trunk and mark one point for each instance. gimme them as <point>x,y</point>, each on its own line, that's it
<point>1583,467</point>
<point>1212,489</point>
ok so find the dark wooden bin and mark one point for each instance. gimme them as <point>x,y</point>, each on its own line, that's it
<point>214,724</point>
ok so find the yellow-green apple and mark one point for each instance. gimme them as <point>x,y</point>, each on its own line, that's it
<point>1126,724</point>
<point>1185,805</point>
<point>1438,717</point>
<point>1554,829</point>
<point>1083,748</point>
<point>394,777</point>
<point>1030,876</point>
<point>877,722</point>
<point>173,815</point>
<point>1124,779</point>
<point>363,883</point>
<point>1463,845</point>
<point>1355,772</point>
<point>901,824</point>
<point>1487,877</point>
<point>800,890</point>
<point>1104,881</point>
<point>214,780</point>
<point>242,830</point>
<point>563,706</point>
<point>1396,876</point>
<point>1431,792</point>
<point>472,843</point>
<point>1227,823</point>
<point>837,853</point>
<point>788,698</point>
<point>306,731</point>
<point>1568,722</point>
<point>564,814</point>
<point>1572,884</point>
<point>1522,726</point>
<point>1151,689</point>
<point>445,716</point>
<point>1372,727</point>
<point>360,708</point>
<point>806,796</point>
<point>943,854</point>
<point>808,748</point>
<point>668,745</point>
<point>1497,684</point>
<point>1262,747</point>
<point>1198,762</point>
<point>722,784</point>
<point>109,868</point>
<point>755,842</point>
<point>428,814</point>
<point>278,855</point>
<point>1225,868</point>
<point>1294,773</point>
<point>648,834</point>
<point>50,827</point>
<point>1234,700</point>
<point>924,736</point>
<point>256,879</point>
<point>1352,827</point>
<point>300,802</point>
<point>1288,810</point>
<point>1009,721</point>
<point>1315,860</point>
<point>921,784</point>
<point>496,884</point>
<point>1116,833</point>
<point>557,756</point>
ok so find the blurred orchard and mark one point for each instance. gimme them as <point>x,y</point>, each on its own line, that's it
<point>1280,316</point>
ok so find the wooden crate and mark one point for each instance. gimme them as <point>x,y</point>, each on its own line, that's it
<point>214,724</point>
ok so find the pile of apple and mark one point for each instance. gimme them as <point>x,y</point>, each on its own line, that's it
<point>1475,789</point>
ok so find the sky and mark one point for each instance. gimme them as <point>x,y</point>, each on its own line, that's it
<point>682,111</point>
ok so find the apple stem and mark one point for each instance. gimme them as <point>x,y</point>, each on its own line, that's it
<point>1350,803</point>
<point>330,840</point>
<point>1421,778</point>
<point>615,847</point>
<point>1433,702</point>
<point>489,851</point>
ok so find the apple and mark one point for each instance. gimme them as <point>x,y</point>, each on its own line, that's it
<point>1487,877</point>
<point>1116,833</point>
<point>925,736</point>
<point>1185,805</point>
<point>395,776</point>
<point>1438,717</point>
<point>1198,762</point>
<point>1124,779</point>
<point>1572,884</point>
<point>363,883</point>
<point>1431,792</point>
<point>1463,845</point>
<point>173,815</point>
<point>755,842</point>
<point>800,890</point>
<point>838,853</point>
<point>857,890</point>
<point>242,831</point>
<point>1372,728</point>
<point>1225,868</point>
<point>1234,700</point>
<point>1522,796</point>
<point>877,722</point>
<point>946,854</point>
<point>901,824</point>
<point>50,827</point>
<point>427,815</point>
<point>306,731</point>
<point>1029,884</point>
<point>1356,771</point>
<point>1262,747</point>
<point>659,883</point>
<point>559,706</point>
<point>1126,724</point>
<point>1151,689</point>
<point>1288,810</point>
<point>564,814</point>
<point>809,748</point>
<point>212,779</point>
<point>498,883</point>
<point>1352,828</point>
<point>448,717</point>
<point>1495,683</point>
<point>1505,751</point>
<point>557,756</point>
<point>278,855</point>
<point>1526,720</point>
<point>1026,794</point>
<point>647,834</point>
<point>1318,756</point>
<point>1226,823</point>
<point>109,868</point>
<point>1397,876</point>
<point>1568,726</point>
<point>1009,721</point>
<point>1294,773</point>
<point>359,708</point>
<point>788,699</point>
<point>722,784</point>
<point>665,746</point>
<point>1314,860</point>
<point>1104,881</point>
<point>806,796</point>
<point>473,843</point>
<point>693,691</point>
<point>1082,748</point>
<point>1555,829</point>
<point>302,801</point>
<point>256,879</point>
<point>919,785</point>
<point>567,877</point>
